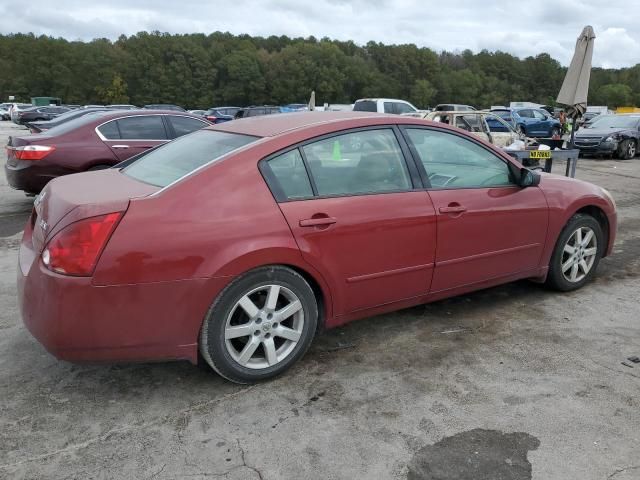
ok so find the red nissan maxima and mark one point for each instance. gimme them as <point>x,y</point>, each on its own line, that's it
<point>240,241</point>
<point>93,141</point>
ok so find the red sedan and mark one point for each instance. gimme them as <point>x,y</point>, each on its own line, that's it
<point>241,240</point>
<point>94,141</point>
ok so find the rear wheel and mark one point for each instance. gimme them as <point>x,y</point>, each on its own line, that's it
<point>577,253</point>
<point>627,149</point>
<point>260,325</point>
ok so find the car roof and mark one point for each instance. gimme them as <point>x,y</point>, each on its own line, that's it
<point>381,100</point>
<point>272,125</point>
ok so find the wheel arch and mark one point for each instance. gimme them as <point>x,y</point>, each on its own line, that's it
<point>290,258</point>
<point>601,217</point>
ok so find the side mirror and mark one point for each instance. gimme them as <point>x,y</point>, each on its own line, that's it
<point>529,178</point>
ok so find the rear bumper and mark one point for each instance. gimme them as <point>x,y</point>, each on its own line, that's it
<point>29,177</point>
<point>80,322</point>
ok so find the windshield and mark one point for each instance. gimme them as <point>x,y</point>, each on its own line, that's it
<point>163,166</point>
<point>614,121</point>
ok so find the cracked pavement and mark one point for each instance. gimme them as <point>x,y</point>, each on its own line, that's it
<point>369,400</point>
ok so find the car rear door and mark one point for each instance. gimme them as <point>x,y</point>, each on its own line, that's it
<point>129,136</point>
<point>488,227</point>
<point>358,220</point>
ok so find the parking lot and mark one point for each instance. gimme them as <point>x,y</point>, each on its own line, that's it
<point>515,382</point>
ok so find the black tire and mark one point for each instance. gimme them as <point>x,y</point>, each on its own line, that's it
<point>555,131</point>
<point>520,129</point>
<point>556,278</point>
<point>627,149</point>
<point>213,345</point>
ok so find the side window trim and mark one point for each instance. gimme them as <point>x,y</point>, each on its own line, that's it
<point>409,160</point>
<point>423,171</point>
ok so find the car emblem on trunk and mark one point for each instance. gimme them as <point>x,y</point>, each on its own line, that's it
<point>43,225</point>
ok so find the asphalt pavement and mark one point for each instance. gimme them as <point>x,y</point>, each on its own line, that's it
<point>514,382</point>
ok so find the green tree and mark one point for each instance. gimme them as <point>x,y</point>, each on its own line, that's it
<point>422,93</point>
<point>615,95</point>
<point>116,93</point>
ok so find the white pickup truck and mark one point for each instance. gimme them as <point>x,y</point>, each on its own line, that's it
<point>385,105</point>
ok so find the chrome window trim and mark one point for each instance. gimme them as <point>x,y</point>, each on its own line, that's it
<point>104,139</point>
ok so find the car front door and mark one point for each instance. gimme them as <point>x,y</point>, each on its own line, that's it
<point>544,122</point>
<point>488,227</point>
<point>359,221</point>
<point>129,136</point>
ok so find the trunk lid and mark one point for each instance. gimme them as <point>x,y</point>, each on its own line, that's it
<point>22,141</point>
<point>73,197</point>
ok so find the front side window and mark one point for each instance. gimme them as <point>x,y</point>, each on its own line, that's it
<point>166,164</point>
<point>368,161</point>
<point>142,127</point>
<point>184,125</point>
<point>288,169</point>
<point>539,115</point>
<point>451,161</point>
<point>404,108</point>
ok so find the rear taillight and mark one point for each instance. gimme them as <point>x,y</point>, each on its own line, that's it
<point>211,118</point>
<point>31,152</point>
<point>75,249</point>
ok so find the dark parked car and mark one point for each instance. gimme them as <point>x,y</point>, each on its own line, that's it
<point>164,106</point>
<point>94,141</point>
<point>257,111</point>
<point>221,114</point>
<point>610,135</point>
<point>533,122</point>
<point>37,127</point>
<point>236,243</point>
<point>39,114</point>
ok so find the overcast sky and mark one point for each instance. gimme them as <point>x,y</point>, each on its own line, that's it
<point>520,27</point>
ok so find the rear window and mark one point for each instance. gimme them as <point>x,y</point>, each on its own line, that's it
<point>164,165</point>
<point>365,106</point>
<point>75,123</point>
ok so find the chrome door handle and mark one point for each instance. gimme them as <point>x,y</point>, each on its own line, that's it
<point>452,209</point>
<point>120,146</point>
<point>317,222</point>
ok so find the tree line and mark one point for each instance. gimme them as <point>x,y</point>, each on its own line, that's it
<point>200,71</point>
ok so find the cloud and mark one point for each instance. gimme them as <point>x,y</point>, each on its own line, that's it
<point>520,28</point>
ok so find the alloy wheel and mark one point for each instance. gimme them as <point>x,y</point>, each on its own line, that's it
<point>579,254</point>
<point>631,150</point>
<point>264,326</point>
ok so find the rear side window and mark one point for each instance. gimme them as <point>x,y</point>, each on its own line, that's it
<point>166,164</point>
<point>389,107</point>
<point>142,128</point>
<point>291,175</point>
<point>369,161</point>
<point>110,130</point>
<point>184,125</point>
<point>525,113</point>
<point>365,106</point>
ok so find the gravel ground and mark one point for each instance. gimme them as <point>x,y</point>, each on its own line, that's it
<point>514,382</point>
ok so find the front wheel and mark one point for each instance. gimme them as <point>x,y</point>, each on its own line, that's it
<point>577,253</point>
<point>260,325</point>
<point>627,149</point>
<point>520,130</point>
